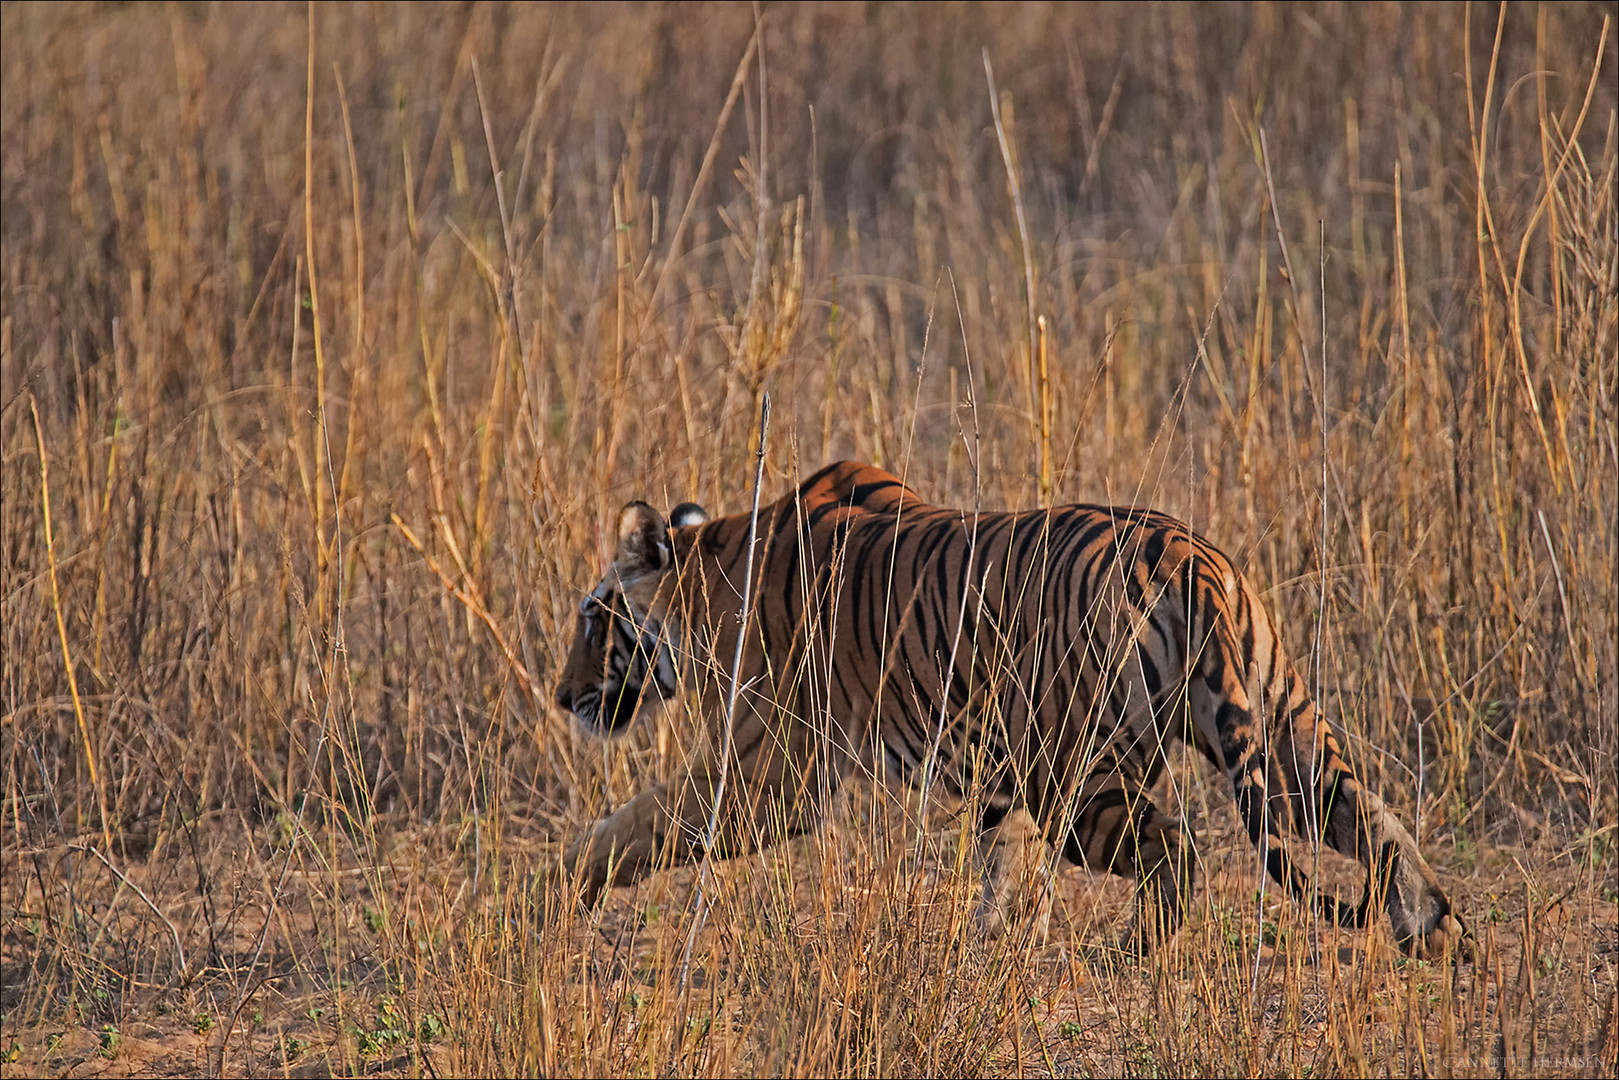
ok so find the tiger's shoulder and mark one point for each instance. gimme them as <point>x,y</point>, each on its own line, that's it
<point>855,487</point>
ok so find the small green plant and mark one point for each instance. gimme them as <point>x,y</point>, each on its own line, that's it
<point>202,1023</point>
<point>1070,1029</point>
<point>387,1029</point>
<point>367,1043</point>
<point>109,1041</point>
<point>280,830</point>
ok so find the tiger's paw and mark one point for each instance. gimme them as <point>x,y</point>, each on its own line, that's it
<point>1420,914</point>
<point>1018,888</point>
<point>1449,938</point>
<point>571,883</point>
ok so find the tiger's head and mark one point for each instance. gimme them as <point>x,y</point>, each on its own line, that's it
<point>625,658</point>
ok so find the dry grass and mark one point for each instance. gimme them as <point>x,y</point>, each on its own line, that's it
<point>312,423</point>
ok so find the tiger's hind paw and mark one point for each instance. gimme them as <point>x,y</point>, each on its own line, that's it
<point>1449,937</point>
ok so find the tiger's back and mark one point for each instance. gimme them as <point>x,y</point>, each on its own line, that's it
<point>1038,659</point>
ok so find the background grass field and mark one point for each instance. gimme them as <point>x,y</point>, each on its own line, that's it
<point>332,340</point>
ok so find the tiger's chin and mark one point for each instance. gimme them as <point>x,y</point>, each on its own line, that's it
<point>622,707</point>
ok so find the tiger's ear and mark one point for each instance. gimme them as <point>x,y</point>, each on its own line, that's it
<point>687,514</point>
<point>643,540</point>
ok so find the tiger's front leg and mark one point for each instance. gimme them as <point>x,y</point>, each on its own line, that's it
<point>773,791</point>
<point>628,842</point>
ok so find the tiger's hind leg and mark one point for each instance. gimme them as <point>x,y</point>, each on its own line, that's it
<point>1018,886</point>
<point>1303,786</point>
<point>1354,821</point>
<point>1123,831</point>
<point>1288,775</point>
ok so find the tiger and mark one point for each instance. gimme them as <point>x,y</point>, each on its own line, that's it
<point>1043,661</point>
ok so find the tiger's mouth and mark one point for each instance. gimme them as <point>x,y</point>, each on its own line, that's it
<point>633,662</point>
<point>612,707</point>
<point>624,702</point>
<point>608,709</point>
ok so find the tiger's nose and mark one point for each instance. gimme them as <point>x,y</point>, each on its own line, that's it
<point>564,698</point>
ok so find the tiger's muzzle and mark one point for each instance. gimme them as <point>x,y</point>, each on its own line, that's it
<point>621,664</point>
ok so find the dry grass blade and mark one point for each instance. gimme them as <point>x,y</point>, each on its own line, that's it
<point>61,626</point>
<point>473,604</point>
<point>728,738</point>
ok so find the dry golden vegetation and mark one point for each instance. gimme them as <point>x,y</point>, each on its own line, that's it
<point>334,339</point>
